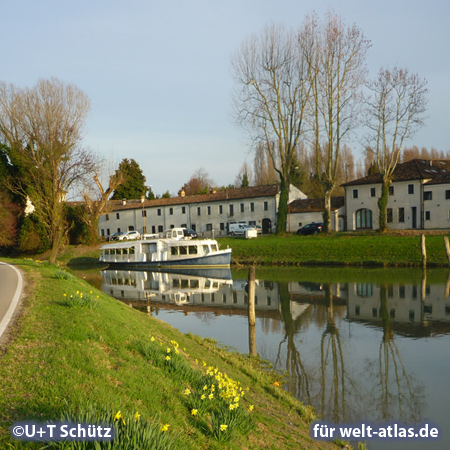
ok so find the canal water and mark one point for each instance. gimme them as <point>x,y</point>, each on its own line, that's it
<point>360,345</point>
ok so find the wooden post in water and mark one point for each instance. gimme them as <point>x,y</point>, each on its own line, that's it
<point>447,249</point>
<point>251,311</point>
<point>424,251</point>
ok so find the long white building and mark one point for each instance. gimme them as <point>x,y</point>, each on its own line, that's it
<point>208,214</point>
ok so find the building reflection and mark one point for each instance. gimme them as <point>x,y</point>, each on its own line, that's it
<point>322,373</point>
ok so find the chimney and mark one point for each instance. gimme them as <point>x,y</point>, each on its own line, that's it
<point>124,201</point>
<point>142,199</point>
<point>182,193</point>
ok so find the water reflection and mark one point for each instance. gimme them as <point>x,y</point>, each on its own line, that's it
<point>350,347</point>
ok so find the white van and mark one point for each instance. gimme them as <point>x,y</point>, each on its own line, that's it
<point>238,229</point>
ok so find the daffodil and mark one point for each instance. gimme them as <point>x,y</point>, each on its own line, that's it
<point>187,392</point>
<point>167,358</point>
<point>194,412</point>
<point>136,416</point>
<point>223,427</point>
<point>251,408</point>
<point>118,415</point>
<point>165,427</point>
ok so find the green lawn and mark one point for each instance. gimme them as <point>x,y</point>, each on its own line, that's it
<point>70,360</point>
<point>340,249</point>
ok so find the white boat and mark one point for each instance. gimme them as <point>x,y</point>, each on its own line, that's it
<point>172,250</point>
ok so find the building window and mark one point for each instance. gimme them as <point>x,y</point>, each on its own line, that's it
<point>363,219</point>
<point>410,189</point>
<point>389,215</point>
<point>266,206</point>
<point>209,210</point>
<point>401,214</point>
<point>199,211</point>
<point>374,312</point>
<point>171,211</point>
<point>427,215</point>
<point>160,229</point>
<point>447,194</point>
<point>428,195</point>
<point>144,213</point>
<point>183,210</point>
<point>222,226</point>
<point>103,233</point>
<point>373,192</point>
<point>357,310</point>
<point>355,193</point>
<point>194,227</point>
<point>391,190</point>
<point>242,207</point>
<point>117,216</point>
<point>144,230</point>
<point>252,207</point>
<point>220,209</point>
<point>159,211</point>
<point>209,227</point>
<point>231,210</point>
<point>153,229</point>
<point>107,216</point>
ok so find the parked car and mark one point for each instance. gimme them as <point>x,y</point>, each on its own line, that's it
<point>189,233</point>
<point>129,235</point>
<point>238,229</point>
<point>311,228</point>
<point>114,236</point>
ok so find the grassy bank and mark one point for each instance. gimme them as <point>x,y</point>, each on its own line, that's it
<point>337,249</point>
<point>76,353</point>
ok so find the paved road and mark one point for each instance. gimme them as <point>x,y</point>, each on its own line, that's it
<point>10,290</point>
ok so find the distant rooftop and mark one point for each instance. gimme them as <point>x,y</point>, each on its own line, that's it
<point>314,204</point>
<point>435,171</point>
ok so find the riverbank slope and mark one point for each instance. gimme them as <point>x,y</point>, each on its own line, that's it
<point>76,351</point>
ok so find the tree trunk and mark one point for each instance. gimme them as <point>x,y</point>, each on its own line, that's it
<point>56,245</point>
<point>382,206</point>
<point>282,215</point>
<point>327,212</point>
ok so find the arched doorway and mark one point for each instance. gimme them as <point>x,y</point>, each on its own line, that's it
<point>363,219</point>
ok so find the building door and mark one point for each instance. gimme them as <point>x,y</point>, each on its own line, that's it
<point>414,217</point>
<point>266,226</point>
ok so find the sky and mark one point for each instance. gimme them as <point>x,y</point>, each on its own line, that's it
<point>158,73</point>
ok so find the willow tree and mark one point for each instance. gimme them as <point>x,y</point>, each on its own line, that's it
<point>395,111</point>
<point>335,55</point>
<point>42,127</point>
<point>271,98</point>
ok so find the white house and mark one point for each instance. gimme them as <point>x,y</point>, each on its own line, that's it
<point>304,211</point>
<point>207,214</point>
<point>419,197</point>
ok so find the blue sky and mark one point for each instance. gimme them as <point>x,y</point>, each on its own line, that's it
<point>158,73</point>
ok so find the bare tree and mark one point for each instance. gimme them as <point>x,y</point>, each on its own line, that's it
<point>96,197</point>
<point>199,183</point>
<point>335,54</point>
<point>42,126</point>
<point>271,98</point>
<point>244,177</point>
<point>263,167</point>
<point>395,111</point>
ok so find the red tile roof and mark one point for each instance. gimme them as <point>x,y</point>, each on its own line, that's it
<point>220,195</point>
<point>314,204</point>
<point>433,171</point>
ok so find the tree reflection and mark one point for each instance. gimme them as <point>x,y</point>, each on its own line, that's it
<point>298,376</point>
<point>333,396</point>
<point>399,400</point>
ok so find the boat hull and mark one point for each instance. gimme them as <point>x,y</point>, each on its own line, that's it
<point>216,260</point>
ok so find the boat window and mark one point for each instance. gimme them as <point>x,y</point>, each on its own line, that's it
<point>174,251</point>
<point>184,284</point>
<point>214,247</point>
<point>205,249</point>
<point>107,252</point>
<point>132,250</point>
<point>193,250</point>
<point>183,250</point>
<point>124,251</point>
<point>176,283</point>
<point>194,284</point>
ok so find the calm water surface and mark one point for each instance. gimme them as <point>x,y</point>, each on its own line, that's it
<point>358,345</point>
